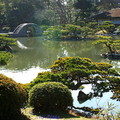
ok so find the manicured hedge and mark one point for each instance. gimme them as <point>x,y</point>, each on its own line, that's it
<point>50,97</point>
<point>12,98</point>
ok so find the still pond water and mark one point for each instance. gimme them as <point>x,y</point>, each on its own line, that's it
<point>34,55</point>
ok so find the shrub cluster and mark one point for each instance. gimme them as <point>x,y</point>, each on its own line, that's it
<point>12,98</point>
<point>69,32</point>
<point>50,96</point>
<point>5,57</point>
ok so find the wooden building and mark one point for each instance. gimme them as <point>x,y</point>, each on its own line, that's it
<point>111,15</point>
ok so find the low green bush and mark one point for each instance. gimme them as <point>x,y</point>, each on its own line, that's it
<point>50,97</point>
<point>5,57</point>
<point>12,97</point>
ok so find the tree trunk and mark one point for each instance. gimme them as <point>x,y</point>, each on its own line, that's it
<point>62,12</point>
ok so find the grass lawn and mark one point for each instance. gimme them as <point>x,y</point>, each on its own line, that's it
<point>28,113</point>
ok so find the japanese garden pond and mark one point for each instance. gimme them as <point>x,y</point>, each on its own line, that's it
<point>35,54</point>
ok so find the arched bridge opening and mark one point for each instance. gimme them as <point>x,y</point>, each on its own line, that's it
<point>26,29</point>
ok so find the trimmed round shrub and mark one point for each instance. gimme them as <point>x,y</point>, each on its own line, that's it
<point>50,97</point>
<point>12,98</point>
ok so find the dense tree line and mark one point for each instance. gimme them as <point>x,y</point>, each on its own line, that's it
<point>49,12</point>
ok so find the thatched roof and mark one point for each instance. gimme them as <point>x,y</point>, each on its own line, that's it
<point>114,13</point>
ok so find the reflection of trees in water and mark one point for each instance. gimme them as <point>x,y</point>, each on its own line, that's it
<point>115,63</point>
<point>99,89</point>
<point>43,53</point>
<point>73,48</point>
<point>30,41</point>
<point>28,58</point>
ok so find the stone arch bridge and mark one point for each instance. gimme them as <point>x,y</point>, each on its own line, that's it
<point>26,30</point>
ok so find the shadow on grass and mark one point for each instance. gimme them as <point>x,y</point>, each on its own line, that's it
<point>54,115</point>
<point>23,117</point>
<point>14,117</point>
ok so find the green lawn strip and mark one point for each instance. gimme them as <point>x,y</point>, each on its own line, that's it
<point>31,116</point>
